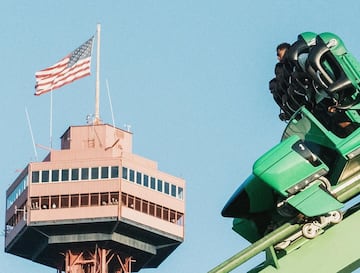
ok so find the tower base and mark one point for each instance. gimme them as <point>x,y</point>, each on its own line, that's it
<point>98,260</point>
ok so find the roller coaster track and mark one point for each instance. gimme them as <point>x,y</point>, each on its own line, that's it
<point>337,249</point>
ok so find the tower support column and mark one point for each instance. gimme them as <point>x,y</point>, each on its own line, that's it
<point>95,261</point>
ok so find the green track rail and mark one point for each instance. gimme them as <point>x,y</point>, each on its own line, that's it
<point>335,250</point>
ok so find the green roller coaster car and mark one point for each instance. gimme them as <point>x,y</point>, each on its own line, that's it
<point>318,157</point>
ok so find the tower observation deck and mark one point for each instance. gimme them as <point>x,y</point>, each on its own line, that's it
<point>95,207</point>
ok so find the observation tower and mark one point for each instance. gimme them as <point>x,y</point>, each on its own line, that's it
<point>94,206</point>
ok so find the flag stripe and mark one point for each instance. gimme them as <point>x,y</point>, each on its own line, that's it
<point>60,80</point>
<point>82,65</point>
<point>53,69</point>
<point>74,66</point>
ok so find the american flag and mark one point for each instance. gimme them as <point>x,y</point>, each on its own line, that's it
<point>74,66</point>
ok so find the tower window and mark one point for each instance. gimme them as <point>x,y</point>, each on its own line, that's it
<point>124,173</point>
<point>104,172</point>
<point>75,174</point>
<point>65,175</point>
<point>132,176</point>
<point>35,177</point>
<point>84,173</point>
<point>55,175</point>
<point>114,172</point>
<point>45,176</point>
<point>95,173</point>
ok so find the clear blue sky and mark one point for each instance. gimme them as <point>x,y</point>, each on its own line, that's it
<point>190,77</point>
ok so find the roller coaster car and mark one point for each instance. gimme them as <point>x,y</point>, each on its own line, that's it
<point>317,69</point>
<point>298,177</point>
<point>319,152</point>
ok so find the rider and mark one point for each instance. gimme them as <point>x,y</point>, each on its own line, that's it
<point>276,85</point>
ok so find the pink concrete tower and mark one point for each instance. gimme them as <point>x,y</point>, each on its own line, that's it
<point>95,207</point>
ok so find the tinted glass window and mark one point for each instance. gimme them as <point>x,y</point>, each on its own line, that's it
<point>166,188</point>
<point>173,190</point>
<point>45,176</point>
<point>152,183</point>
<point>65,175</point>
<point>114,172</point>
<point>124,173</point>
<point>35,177</point>
<point>75,174</point>
<point>146,180</point>
<point>104,172</point>
<point>132,176</point>
<point>84,173</point>
<point>180,193</point>
<point>55,175</point>
<point>159,185</point>
<point>95,173</point>
<point>138,177</point>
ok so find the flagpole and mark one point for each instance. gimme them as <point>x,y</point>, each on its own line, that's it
<point>97,86</point>
<point>51,117</point>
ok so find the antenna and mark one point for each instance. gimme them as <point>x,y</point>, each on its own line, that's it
<point>127,126</point>
<point>31,133</point>
<point>111,108</point>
